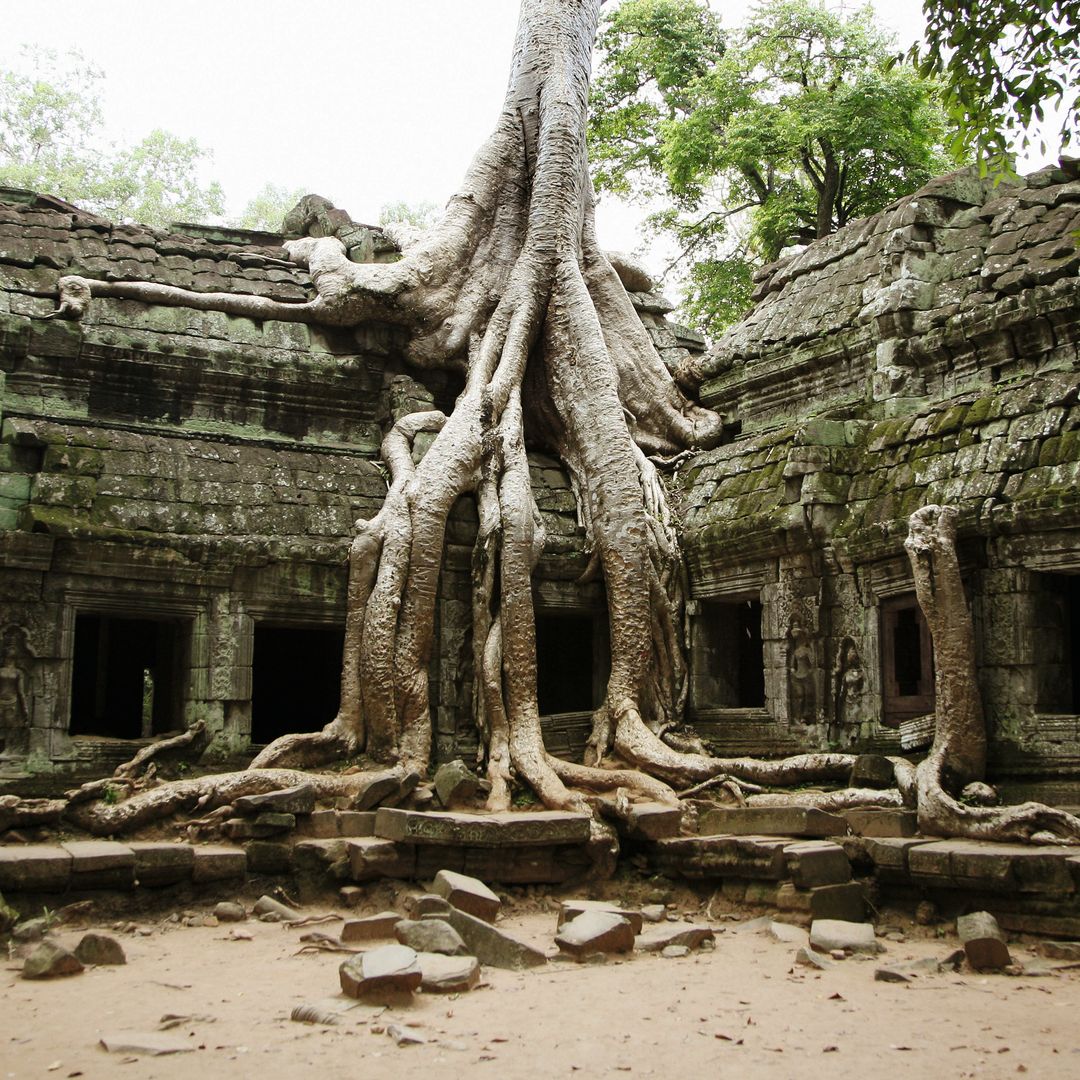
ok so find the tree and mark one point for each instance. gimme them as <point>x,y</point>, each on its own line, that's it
<point>1003,63</point>
<point>511,289</point>
<point>266,210</point>
<point>800,119</point>
<point>49,124</point>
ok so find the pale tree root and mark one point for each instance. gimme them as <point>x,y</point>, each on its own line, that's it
<point>204,793</point>
<point>958,754</point>
<point>188,747</point>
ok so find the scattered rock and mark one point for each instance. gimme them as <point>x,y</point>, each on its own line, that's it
<point>455,783</point>
<point>152,1043</point>
<point>808,958</point>
<point>448,974</point>
<point>653,913</point>
<point>571,909</point>
<point>492,947</point>
<point>790,935</point>
<point>829,934</point>
<point>371,927</point>
<point>872,771</point>
<point>430,936</point>
<point>229,911</point>
<point>595,932</point>
<point>49,960</point>
<point>100,949</point>
<point>926,913</point>
<point>467,894</point>
<point>983,941</point>
<point>351,896</point>
<point>426,904</point>
<point>674,952</point>
<point>682,936</point>
<point>891,974</point>
<point>30,930</point>
<point>387,970</point>
<point>1061,950</point>
<point>405,1036</point>
<point>295,800</point>
<point>838,954</point>
<point>267,905</point>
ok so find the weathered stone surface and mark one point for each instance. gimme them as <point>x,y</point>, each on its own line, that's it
<point>817,862</point>
<point>790,935</point>
<point>266,857</point>
<point>707,857</point>
<point>447,974</point>
<point>431,936</point>
<point>492,947</point>
<point>426,904</point>
<point>771,821</point>
<point>390,970</point>
<point>371,927</point>
<point>1061,950</point>
<point>229,911</point>
<point>872,771</point>
<point>267,905</point>
<point>99,949</point>
<point>571,909</point>
<point>371,858</point>
<point>30,929</point>
<point>595,931</point>
<point>212,862</point>
<point>807,957</point>
<point>101,864</point>
<point>983,941</point>
<point>356,822</point>
<point>150,1043</point>
<point>467,894</point>
<point>857,937</point>
<point>265,824</point>
<point>488,830</point>
<point>846,902</point>
<point>890,856</point>
<point>653,821</point>
<point>161,863</point>
<point>678,934</point>
<point>882,822</point>
<point>50,959</point>
<point>455,784</point>
<point>295,800</point>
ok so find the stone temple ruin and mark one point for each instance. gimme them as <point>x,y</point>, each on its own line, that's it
<point>178,490</point>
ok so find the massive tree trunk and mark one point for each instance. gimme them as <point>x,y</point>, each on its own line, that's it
<point>958,755</point>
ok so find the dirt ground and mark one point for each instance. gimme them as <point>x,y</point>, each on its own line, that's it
<point>743,1009</point>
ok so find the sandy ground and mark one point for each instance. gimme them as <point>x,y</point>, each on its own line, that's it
<point>741,1010</point>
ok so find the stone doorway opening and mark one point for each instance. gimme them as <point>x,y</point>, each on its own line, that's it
<point>295,679</point>
<point>1056,638</point>
<point>127,676</point>
<point>727,658</point>
<point>571,663</point>
<point>907,660</point>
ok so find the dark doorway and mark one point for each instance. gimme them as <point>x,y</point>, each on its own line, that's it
<point>296,680</point>
<point>566,664</point>
<point>126,678</point>
<point>728,664</point>
<point>1056,640</point>
<point>907,660</point>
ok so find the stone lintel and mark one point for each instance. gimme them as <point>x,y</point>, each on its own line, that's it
<point>489,830</point>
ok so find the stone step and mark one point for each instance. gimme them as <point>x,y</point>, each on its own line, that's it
<point>544,827</point>
<point>771,821</point>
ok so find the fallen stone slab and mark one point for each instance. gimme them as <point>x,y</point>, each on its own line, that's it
<point>690,937</point>
<point>371,858</point>
<point>229,911</point>
<point>30,930</point>
<point>371,927</point>
<point>388,970</point>
<point>376,788</point>
<point>595,932</point>
<point>267,905</point>
<point>295,800</point>
<point>1061,950</point>
<point>430,936</point>
<point>844,902</point>
<point>161,863</point>
<point>983,941</point>
<point>788,934</point>
<point>441,974</point>
<point>467,894</point>
<point>892,975</point>
<point>50,960</point>
<point>872,771</point>
<point>151,1043</point>
<point>455,783</point>
<point>488,830</point>
<point>806,957</point>
<point>99,949</point>
<point>817,862</point>
<point>827,935</point>
<point>217,862</point>
<point>771,821</point>
<point>493,947</point>
<point>571,909</point>
<point>674,952</point>
<point>653,913</point>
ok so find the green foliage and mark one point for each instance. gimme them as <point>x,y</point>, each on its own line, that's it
<point>782,131</point>
<point>1003,62</point>
<point>50,116</point>
<point>267,210</point>
<point>421,215</point>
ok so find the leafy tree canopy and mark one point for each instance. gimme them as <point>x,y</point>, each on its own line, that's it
<point>267,209</point>
<point>782,131</point>
<point>1003,63</point>
<point>50,116</point>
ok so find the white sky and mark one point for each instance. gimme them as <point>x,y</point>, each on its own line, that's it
<point>364,101</point>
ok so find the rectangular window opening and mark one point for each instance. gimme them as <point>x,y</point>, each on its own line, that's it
<point>571,663</point>
<point>907,661</point>
<point>727,659</point>
<point>127,676</point>
<point>296,680</point>
<point>1055,640</point>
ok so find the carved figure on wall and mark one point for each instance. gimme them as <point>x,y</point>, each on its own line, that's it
<point>849,686</point>
<point>802,673</point>
<point>16,665</point>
